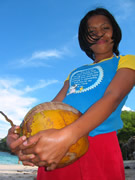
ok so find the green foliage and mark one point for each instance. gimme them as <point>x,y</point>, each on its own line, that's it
<point>3,145</point>
<point>128,130</point>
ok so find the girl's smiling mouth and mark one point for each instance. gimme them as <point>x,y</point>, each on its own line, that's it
<point>101,41</point>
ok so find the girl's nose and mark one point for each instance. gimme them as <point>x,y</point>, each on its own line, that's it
<point>100,32</point>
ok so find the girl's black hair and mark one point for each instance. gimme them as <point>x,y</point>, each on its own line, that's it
<point>84,34</point>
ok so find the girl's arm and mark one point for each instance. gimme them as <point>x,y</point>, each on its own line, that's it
<point>61,95</point>
<point>120,86</point>
<point>52,145</point>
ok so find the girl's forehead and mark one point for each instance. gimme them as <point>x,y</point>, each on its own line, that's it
<point>98,19</point>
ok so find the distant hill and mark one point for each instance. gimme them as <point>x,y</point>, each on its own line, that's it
<point>3,145</point>
<point>128,130</point>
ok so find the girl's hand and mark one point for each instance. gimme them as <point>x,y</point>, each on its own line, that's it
<point>26,159</point>
<point>14,142</point>
<point>48,146</point>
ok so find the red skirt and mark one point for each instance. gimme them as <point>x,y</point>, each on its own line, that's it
<point>103,161</point>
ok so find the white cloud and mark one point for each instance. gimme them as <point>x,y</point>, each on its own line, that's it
<point>41,84</point>
<point>46,54</point>
<point>4,128</point>
<point>125,108</point>
<point>8,83</point>
<point>39,58</point>
<point>15,102</point>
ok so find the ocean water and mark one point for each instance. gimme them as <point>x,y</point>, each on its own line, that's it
<point>7,158</point>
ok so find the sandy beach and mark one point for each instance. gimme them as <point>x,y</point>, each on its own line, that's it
<point>20,172</point>
<point>17,172</point>
<point>130,169</point>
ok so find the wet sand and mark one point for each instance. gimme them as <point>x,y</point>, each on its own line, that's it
<point>130,169</point>
<point>20,172</point>
<point>17,172</point>
<point>130,174</point>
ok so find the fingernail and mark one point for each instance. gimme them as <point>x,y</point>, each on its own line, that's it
<point>25,143</point>
<point>48,169</point>
<point>24,138</point>
<point>31,156</point>
<point>15,131</point>
<point>16,127</point>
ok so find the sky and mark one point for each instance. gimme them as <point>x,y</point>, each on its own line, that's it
<point>39,48</point>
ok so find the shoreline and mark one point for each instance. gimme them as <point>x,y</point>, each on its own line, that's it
<point>21,172</point>
<point>17,172</point>
<point>129,169</point>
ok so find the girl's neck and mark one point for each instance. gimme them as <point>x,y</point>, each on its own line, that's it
<point>100,57</point>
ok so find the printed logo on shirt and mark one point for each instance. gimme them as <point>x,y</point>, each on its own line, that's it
<point>85,80</point>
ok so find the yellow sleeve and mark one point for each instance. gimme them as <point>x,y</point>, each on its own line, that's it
<point>127,61</point>
<point>68,77</point>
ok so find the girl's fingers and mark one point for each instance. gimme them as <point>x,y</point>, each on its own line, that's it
<point>28,157</point>
<point>12,129</point>
<point>35,160</point>
<point>31,160</point>
<point>30,142</point>
<point>29,150</point>
<point>27,163</point>
<point>17,142</point>
<point>51,167</point>
<point>42,163</point>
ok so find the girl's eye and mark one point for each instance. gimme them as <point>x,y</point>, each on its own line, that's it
<point>106,27</point>
<point>92,31</point>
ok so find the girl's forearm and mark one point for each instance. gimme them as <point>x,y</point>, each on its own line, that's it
<point>94,116</point>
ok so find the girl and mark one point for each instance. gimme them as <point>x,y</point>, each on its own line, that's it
<point>100,92</point>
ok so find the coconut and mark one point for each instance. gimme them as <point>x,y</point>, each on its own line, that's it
<point>54,115</point>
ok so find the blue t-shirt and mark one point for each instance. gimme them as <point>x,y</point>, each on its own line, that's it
<point>87,84</point>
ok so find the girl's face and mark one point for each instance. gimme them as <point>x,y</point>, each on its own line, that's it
<point>100,28</point>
